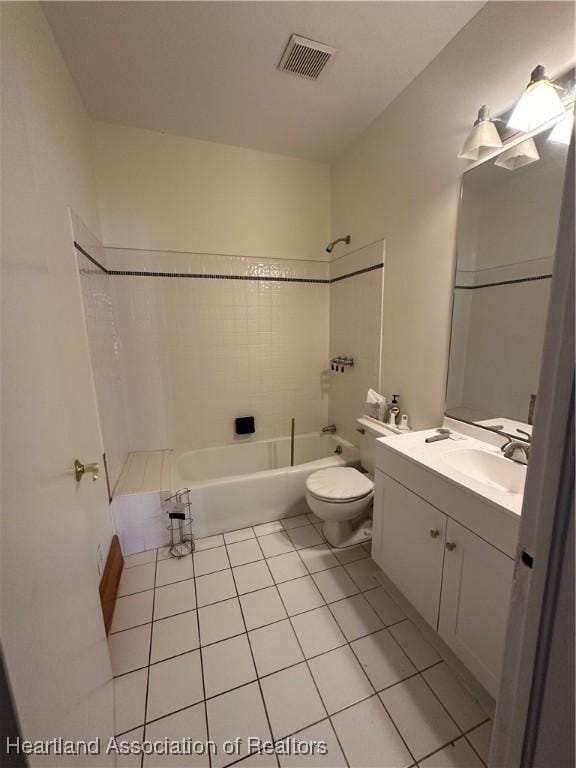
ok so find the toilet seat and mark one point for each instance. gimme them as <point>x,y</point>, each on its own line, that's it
<point>339,485</point>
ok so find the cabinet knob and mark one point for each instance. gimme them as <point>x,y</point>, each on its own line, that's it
<point>361,430</point>
<point>434,533</point>
<point>450,546</point>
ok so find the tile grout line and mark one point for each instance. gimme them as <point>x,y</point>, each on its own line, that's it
<point>156,550</point>
<point>270,674</point>
<point>284,581</point>
<point>288,666</point>
<point>349,644</point>
<point>265,559</point>
<point>386,626</point>
<point>417,674</point>
<point>311,573</point>
<point>349,706</point>
<point>462,737</point>
<point>473,748</point>
<point>251,650</point>
<point>201,654</point>
<point>309,610</point>
<point>260,589</point>
<point>149,660</point>
<point>437,697</point>
<point>269,624</point>
<point>308,666</point>
<point>375,692</point>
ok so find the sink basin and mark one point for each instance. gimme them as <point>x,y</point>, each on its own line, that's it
<point>488,468</point>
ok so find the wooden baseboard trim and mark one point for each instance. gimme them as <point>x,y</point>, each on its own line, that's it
<point>110,580</point>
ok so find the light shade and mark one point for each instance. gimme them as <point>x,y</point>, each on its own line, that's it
<point>562,131</point>
<point>483,136</point>
<point>519,155</point>
<point>539,103</point>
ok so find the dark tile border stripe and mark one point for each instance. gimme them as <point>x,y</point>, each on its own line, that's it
<point>503,282</point>
<point>90,258</point>
<point>357,272</point>
<point>217,276</point>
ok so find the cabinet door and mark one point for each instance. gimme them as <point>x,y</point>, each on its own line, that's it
<point>409,544</point>
<point>476,592</point>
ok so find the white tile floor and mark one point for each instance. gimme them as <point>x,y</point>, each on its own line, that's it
<point>268,632</point>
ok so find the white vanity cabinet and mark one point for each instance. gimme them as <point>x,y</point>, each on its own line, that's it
<point>458,582</point>
<point>410,544</point>
<point>476,587</point>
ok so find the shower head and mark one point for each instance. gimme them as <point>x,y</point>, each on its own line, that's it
<point>330,246</point>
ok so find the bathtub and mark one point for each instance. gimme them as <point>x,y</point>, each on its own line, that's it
<point>251,483</point>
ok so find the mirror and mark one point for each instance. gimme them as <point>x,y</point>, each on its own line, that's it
<point>507,228</point>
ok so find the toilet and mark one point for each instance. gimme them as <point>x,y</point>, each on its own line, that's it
<point>342,496</point>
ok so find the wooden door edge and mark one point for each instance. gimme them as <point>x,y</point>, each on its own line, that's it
<point>110,580</point>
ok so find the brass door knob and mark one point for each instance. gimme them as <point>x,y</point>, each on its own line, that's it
<point>81,469</point>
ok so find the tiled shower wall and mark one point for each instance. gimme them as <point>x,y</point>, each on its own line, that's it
<point>355,331</point>
<point>104,343</point>
<point>184,343</point>
<point>197,352</point>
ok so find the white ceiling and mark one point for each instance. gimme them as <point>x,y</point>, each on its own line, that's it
<point>209,69</point>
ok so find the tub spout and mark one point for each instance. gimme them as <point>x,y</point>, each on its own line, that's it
<point>330,428</point>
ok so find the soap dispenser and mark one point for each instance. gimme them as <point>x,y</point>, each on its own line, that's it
<point>393,411</point>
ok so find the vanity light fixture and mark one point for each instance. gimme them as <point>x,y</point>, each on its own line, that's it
<point>539,103</point>
<point>483,136</point>
<point>562,131</point>
<point>519,155</point>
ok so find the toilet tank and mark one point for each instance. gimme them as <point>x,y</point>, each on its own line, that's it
<point>369,430</point>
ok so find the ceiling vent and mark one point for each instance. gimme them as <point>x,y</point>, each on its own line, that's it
<point>304,57</point>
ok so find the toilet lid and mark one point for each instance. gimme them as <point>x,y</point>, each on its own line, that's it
<point>339,484</point>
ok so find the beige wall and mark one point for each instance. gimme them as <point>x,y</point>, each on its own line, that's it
<point>46,174</point>
<point>52,629</point>
<point>400,181</point>
<point>173,193</point>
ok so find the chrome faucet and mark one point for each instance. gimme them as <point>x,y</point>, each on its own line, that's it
<point>516,450</point>
<point>330,428</point>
